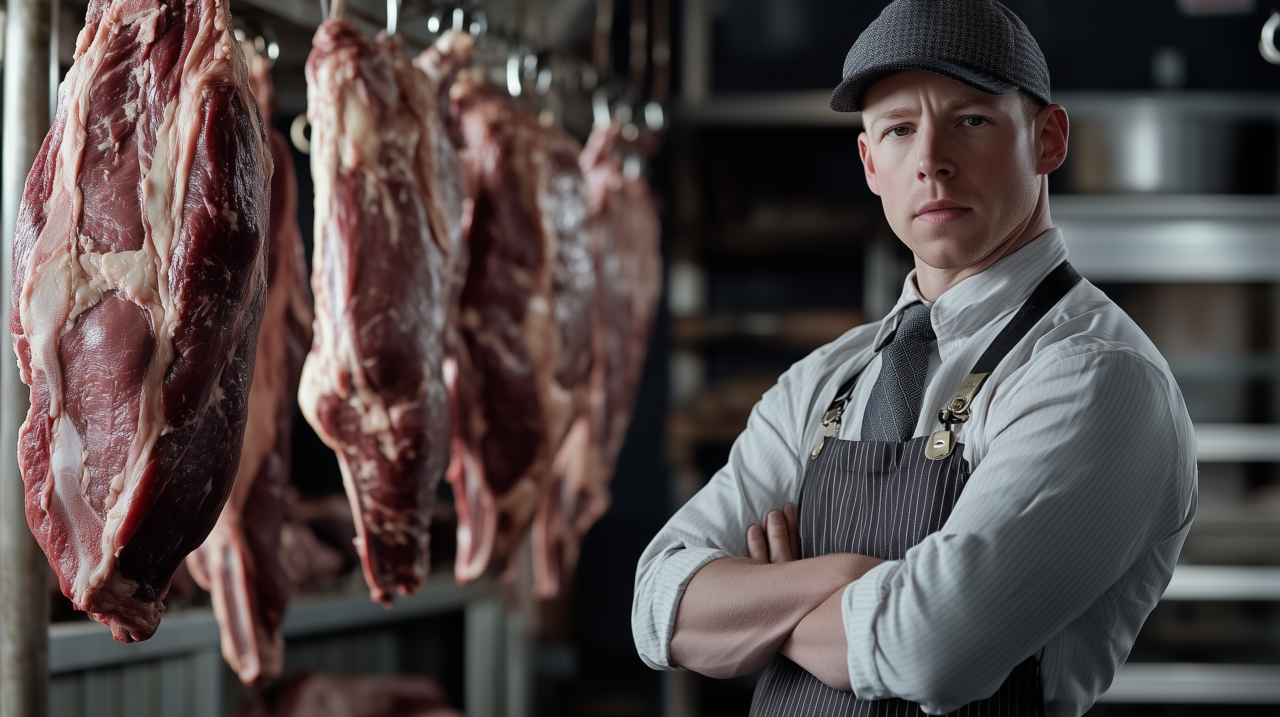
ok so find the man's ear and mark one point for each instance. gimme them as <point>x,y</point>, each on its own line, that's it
<point>868,164</point>
<point>1052,129</point>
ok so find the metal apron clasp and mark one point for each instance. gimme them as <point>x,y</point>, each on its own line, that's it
<point>943,442</point>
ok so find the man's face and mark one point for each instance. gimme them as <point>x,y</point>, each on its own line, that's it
<point>956,168</point>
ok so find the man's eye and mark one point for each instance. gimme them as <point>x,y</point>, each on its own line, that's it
<point>898,132</point>
<point>974,121</point>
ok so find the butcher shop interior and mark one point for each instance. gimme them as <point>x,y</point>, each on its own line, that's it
<point>362,347</point>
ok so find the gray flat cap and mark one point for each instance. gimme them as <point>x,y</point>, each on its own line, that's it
<point>978,42</point>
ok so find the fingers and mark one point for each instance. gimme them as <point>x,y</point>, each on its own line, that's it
<point>779,538</point>
<point>792,513</point>
<point>757,548</point>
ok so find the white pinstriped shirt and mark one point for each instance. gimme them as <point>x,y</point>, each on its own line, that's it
<point>1082,492</point>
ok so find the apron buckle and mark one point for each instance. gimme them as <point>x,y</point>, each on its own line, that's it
<point>830,422</point>
<point>940,444</point>
<point>943,442</point>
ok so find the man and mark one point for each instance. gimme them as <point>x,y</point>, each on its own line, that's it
<point>993,483</point>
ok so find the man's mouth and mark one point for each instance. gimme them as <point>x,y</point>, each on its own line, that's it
<point>941,211</point>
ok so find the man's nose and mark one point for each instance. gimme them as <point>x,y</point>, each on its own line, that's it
<point>934,162</point>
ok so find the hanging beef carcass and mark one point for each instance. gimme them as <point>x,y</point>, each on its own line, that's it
<point>239,563</point>
<point>625,235</point>
<point>388,230</point>
<point>522,367</point>
<point>139,282</point>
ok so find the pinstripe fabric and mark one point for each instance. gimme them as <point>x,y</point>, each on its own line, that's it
<point>1082,490</point>
<point>879,499</point>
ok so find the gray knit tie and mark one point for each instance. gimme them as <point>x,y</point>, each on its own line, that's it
<point>894,407</point>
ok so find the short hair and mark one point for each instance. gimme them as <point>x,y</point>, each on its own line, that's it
<point>1031,104</point>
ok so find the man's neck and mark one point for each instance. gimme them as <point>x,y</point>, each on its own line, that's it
<point>932,282</point>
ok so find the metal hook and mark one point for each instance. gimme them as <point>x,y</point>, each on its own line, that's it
<point>298,133</point>
<point>393,16</point>
<point>1267,43</point>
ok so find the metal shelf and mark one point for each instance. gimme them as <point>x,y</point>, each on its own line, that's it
<point>1171,237</point>
<point>1195,683</point>
<point>185,650</point>
<point>84,645</point>
<point>1221,582</point>
<point>1237,442</point>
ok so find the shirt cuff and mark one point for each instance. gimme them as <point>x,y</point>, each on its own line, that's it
<point>654,617</point>
<point>861,605</point>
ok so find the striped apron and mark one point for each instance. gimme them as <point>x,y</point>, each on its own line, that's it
<point>881,499</point>
<point>878,499</point>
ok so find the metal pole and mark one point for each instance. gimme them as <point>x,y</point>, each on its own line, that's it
<point>55,69</point>
<point>697,51</point>
<point>24,593</point>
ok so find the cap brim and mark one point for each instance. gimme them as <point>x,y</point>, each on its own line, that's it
<point>848,95</point>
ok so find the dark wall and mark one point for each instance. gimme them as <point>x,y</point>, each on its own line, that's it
<point>765,45</point>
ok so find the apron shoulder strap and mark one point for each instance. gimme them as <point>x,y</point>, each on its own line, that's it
<point>1047,295</point>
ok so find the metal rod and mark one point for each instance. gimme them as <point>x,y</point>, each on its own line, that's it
<point>518,19</point>
<point>696,79</point>
<point>600,51</point>
<point>393,16</point>
<point>661,51</point>
<point>55,68</point>
<point>24,592</point>
<point>639,46</point>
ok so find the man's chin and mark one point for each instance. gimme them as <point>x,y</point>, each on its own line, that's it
<point>950,252</point>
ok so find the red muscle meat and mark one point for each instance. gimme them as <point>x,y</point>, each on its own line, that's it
<point>388,232</point>
<point>239,563</point>
<point>140,276</point>
<point>625,235</point>
<point>525,358</point>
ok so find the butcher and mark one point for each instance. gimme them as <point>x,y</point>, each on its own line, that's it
<point>975,502</point>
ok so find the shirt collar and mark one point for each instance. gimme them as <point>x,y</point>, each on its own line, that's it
<point>982,298</point>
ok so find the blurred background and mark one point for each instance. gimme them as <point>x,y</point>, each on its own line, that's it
<point>773,246</point>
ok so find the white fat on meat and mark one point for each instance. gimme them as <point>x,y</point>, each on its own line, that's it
<point>64,279</point>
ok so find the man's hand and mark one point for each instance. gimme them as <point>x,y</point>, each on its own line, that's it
<point>737,612</point>
<point>779,540</point>
<point>818,643</point>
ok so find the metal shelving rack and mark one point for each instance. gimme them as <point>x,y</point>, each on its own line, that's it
<point>180,671</point>
<point>1192,238</point>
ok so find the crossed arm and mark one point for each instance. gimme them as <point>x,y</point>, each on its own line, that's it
<point>737,612</point>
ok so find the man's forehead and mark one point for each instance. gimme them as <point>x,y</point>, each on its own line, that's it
<point>902,93</point>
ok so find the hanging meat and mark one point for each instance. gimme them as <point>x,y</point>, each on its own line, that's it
<point>625,234</point>
<point>239,563</point>
<point>388,198</point>
<point>139,282</point>
<point>525,358</point>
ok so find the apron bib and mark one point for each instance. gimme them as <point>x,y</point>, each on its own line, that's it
<point>881,499</point>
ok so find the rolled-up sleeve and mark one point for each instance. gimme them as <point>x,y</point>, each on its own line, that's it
<point>763,473</point>
<point>1089,468</point>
